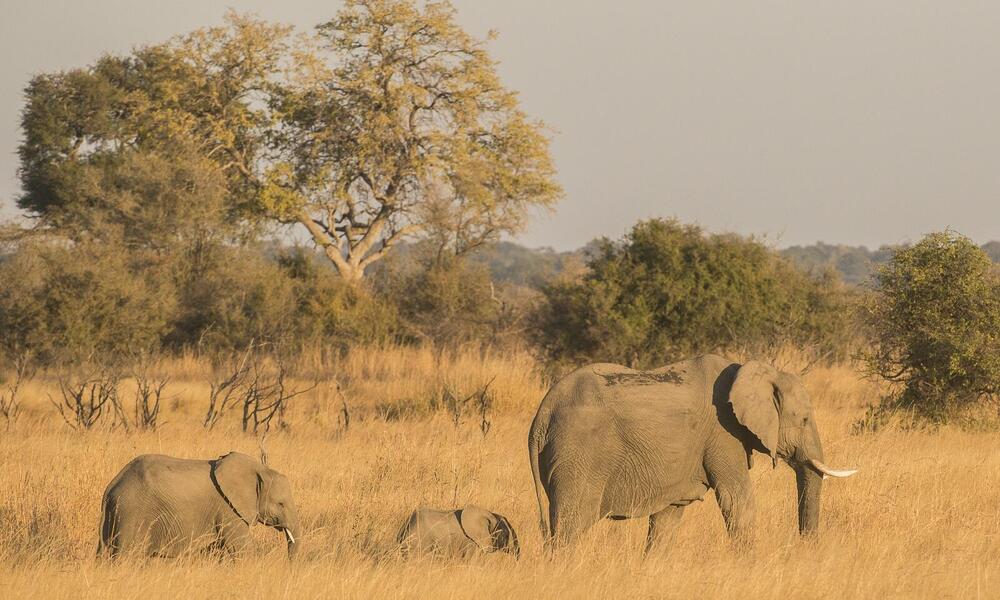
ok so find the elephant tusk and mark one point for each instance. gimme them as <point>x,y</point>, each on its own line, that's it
<point>291,538</point>
<point>828,472</point>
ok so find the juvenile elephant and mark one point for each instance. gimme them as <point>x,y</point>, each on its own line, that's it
<point>612,442</point>
<point>458,533</point>
<point>161,506</point>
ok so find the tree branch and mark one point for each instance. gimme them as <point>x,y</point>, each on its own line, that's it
<point>327,242</point>
<point>387,245</point>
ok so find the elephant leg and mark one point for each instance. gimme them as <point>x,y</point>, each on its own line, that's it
<point>662,528</point>
<point>121,540</point>
<point>738,510</point>
<point>133,537</point>
<point>234,537</point>
<point>570,520</point>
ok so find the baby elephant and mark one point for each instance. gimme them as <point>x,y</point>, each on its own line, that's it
<point>162,506</point>
<point>457,533</point>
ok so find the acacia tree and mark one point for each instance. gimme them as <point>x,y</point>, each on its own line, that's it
<point>390,121</point>
<point>395,123</point>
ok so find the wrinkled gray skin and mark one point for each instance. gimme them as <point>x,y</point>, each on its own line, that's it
<point>612,442</point>
<point>163,506</point>
<point>457,533</point>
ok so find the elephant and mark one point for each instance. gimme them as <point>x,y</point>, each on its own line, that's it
<point>161,506</point>
<point>613,442</point>
<point>457,533</point>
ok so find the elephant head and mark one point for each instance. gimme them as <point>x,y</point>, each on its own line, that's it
<point>257,494</point>
<point>775,408</point>
<point>490,531</point>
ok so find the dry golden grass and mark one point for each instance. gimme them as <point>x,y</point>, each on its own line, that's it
<point>921,520</point>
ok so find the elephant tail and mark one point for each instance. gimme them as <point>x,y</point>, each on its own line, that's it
<point>404,539</point>
<point>102,550</point>
<point>535,436</point>
<point>107,533</point>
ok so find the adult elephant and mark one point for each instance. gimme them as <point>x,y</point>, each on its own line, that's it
<point>611,442</point>
<point>162,506</point>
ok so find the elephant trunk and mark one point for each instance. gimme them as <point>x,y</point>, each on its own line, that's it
<point>809,484</point>
<point>807,460</point>
<point>293,543</point>
<point>291,531</point>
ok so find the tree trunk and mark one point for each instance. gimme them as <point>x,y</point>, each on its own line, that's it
<point>351,273</point>
<point>352,267</point>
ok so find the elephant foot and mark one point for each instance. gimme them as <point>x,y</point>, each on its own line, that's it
<point>662,530</point>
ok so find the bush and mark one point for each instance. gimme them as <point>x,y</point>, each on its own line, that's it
<point>442,299</point>
<point>230,297</point>
<point>80,302</point>
<point>236,295</point>
<point>108,302</point>
<point>934,317</point>
<point>669,290</point>
<point>331,311</point>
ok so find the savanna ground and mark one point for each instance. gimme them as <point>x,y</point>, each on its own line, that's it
<point>921,519</point>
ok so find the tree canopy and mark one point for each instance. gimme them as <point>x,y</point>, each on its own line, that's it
<point>194,102</point>
<point>388,121</point>
<point>934,317</point>
<point>668,290</point>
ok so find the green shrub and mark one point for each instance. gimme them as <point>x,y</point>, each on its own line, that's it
<point>293,301</point>
<point>669,290</point>
<point>934,317</point>
<point>228,298</point>
<point>105,301</point>
<point>442,299</point>
<point>81,302</point>
<point>331,311</point>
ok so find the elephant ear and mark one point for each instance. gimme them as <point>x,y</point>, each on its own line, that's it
<point>237,477</point>
<point>754,397</point>
<point>479,525</point>
<point>505,538</point>
<point>502,533</point>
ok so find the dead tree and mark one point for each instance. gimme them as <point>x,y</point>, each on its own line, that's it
<point>148,394</point>
<point>225,394</point>
<point>10,403</point>
<point>258,384</point>
<point>267,396</point>
<point>344,414</point>
<point>483,402</point>
<point>84,402</point>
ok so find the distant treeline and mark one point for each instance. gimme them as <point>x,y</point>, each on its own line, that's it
<point>854,263</point>
<point>512,262</point>
<point>664,290</point>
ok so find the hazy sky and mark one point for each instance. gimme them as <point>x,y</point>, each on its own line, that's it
<point>849,122</point>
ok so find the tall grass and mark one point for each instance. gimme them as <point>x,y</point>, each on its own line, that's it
<point>921,520</point>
